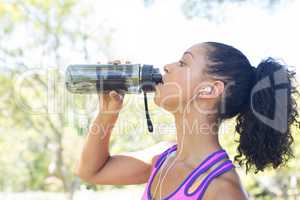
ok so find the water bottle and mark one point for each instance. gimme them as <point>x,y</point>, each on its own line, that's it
<point>126,78</point>
<point>97,78</point>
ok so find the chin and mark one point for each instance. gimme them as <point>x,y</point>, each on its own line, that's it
<point>169,105</point>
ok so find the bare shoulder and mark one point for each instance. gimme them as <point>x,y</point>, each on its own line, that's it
<point>226,187</point>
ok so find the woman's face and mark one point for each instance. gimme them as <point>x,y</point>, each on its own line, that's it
<point>182,79</point>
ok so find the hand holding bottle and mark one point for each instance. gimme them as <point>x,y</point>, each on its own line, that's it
<point>111,102</point>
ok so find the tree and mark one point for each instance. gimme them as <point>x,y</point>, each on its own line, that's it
<point>42,28</point>
<point>209,8</point>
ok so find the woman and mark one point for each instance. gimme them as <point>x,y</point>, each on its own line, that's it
<point>212,82</point>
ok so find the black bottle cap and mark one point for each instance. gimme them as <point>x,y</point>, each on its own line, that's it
<point>150,77</point>
<point>157,78</point>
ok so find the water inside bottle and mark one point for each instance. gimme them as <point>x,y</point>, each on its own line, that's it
<point>99,78</point>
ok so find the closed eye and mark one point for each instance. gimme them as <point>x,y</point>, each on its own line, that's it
<point>181,63</point>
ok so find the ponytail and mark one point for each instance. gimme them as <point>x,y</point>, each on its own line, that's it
<point>262,98</point>
<point>264,126</point>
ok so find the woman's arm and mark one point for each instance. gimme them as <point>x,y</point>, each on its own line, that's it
<point>97,166</point>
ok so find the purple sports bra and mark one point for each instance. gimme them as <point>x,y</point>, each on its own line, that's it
<point>182,192</point>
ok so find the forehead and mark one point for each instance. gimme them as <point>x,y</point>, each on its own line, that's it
<point>197,48</point>
<point>199,54</point>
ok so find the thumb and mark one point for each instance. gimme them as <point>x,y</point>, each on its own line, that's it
<point>115,96</point>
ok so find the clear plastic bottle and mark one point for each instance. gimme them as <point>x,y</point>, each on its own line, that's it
<point>95,78</point>
<point>127,78</point>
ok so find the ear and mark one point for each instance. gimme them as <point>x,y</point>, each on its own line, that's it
<point>211,91</point>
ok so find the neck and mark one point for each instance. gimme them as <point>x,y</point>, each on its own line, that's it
<point>197,136</point>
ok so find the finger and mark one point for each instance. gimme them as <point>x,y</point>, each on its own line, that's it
<point>121,93</point>
<point>101,102</point>
<point>103,97</point>
<point>120,96</point>
<point>115,95</point>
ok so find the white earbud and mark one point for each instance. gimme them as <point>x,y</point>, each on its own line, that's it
<point>207,90</point>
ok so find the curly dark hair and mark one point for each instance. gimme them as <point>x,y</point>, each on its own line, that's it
<point>263,101</point>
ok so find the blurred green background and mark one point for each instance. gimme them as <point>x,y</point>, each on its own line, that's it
<point>42,126</point>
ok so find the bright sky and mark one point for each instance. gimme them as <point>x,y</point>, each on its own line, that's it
<point>159,34</point>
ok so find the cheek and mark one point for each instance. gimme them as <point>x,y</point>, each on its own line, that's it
<point>168,95</point>
<point>188,83</point>
<point>195,82</point>
<point>176,91</point>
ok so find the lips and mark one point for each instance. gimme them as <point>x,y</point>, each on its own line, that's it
<point>158,85</point>
<point>161,83</point>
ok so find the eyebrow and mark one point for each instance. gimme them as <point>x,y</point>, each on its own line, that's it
<point>188,52</point>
